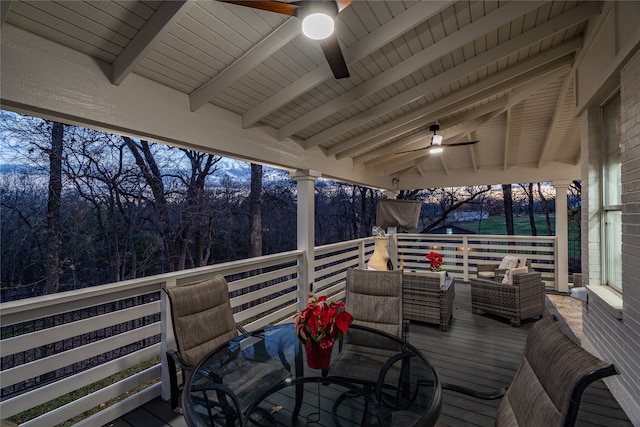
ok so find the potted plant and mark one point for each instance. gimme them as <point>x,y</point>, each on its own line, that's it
<point>318,326</point>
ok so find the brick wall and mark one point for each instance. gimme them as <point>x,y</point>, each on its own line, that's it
<point>615,340</point>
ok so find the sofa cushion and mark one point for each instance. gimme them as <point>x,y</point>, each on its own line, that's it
<point>508,276</point>
<point>487,274</point>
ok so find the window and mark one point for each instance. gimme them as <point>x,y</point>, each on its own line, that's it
<point>611,194</point>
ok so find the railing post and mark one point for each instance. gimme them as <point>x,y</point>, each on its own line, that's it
<point>562,235</point>
<point>465,257</point>
<point>305,180</point>
<point>168,340</point>
<point>361,254</point>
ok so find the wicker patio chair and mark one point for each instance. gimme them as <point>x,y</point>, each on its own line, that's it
<point>549,384</point>
<point>523,299</point>
<point>202,321</point>
<point>493,272</point>
<point>428,298</point>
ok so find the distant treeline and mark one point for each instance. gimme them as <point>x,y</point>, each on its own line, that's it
<point>94,208</point>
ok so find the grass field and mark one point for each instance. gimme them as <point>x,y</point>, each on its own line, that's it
<point>496,225</point>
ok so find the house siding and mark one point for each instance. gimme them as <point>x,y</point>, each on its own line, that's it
<point>613,339</point>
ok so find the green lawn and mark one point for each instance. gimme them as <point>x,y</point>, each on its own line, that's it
<point>496,225</point>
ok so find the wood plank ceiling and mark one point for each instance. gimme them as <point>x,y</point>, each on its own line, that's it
<point>497,72</point>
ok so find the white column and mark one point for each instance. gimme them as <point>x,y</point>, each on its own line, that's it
<point>392,232</point>
<point>306,229</point>
<point>562,236</point>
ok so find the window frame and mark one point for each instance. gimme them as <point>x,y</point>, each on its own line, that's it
<point>611,230</point>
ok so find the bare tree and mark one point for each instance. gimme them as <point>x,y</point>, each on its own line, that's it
<point>528,190</point>
<point>53,209</point>
<point>255,211</point>
<point>508,208</point>
<point>174,228</point>
<point>545,209</point>
<point>450,199</point>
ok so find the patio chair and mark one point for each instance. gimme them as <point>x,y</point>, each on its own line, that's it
<point>374,299</point>
<point>522,299</point>
<point>202,321</point>
<point>496,271</point>
<point>548,386</point>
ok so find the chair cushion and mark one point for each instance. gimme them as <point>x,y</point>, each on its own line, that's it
<point>202,317</point>
<point>508,276</point>
<point>508,262</point>
<point>487,274</point>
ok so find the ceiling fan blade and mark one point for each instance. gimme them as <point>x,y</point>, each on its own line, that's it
<point>290,9</point>
<point>333,53</point>
<point>342,4</point>
<point>413,151</point>
<point>460,143</point>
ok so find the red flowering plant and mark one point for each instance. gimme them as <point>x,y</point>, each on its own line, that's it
<point>322,322</point>
<point>435,261</point>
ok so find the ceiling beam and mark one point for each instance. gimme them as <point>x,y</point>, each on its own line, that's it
<point>474,154</point>
<point>420,12</point>
<point>491,56</point>
<point>386,149</point>
<point>496,84</point>
<point>505,161</point>
<point>270,44</point>
<point>380,134</point>
<point>164,17</point>
<point>467,34</point>
<point>539,78</point>
<point>565,49</point>
<point>564,92</point>
<point>4,9</point>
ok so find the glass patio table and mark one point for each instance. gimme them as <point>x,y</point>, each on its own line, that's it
<point>261,378</point>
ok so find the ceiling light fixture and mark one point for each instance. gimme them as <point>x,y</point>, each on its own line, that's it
<point>436,140</point>
<point>318,20</point>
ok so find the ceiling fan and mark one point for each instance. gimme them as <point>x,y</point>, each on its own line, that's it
<point>436,145</point>
<point>317,23</point>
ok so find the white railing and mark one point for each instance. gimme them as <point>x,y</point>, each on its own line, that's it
<point>462,253</point>
<point>59,343</point>
<point>63,342</point>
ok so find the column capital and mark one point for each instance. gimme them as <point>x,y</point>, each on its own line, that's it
<point>305,175</point>
<point>561,183</point>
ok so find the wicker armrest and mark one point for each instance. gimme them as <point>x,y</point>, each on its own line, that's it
<point>487,267</point>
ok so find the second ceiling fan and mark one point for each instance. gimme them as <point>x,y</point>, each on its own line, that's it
<point>436,145</point>
<point>326,11</point>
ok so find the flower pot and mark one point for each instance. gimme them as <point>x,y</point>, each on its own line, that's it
<point>317,357</point>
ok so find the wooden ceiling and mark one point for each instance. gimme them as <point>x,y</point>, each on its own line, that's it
<point>497,72</point>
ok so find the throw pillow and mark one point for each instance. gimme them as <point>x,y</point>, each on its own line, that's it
<point>522,262</point>
<point>508,277</point>
<point>508,262</point>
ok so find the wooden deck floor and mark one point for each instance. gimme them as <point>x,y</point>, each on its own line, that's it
<point>478,351</point>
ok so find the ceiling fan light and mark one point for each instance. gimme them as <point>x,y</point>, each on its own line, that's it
<point>435,150</point>
<point>317,26</point>
<point>436,139</point>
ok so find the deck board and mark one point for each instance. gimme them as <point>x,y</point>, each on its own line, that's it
<point>478,351</point>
